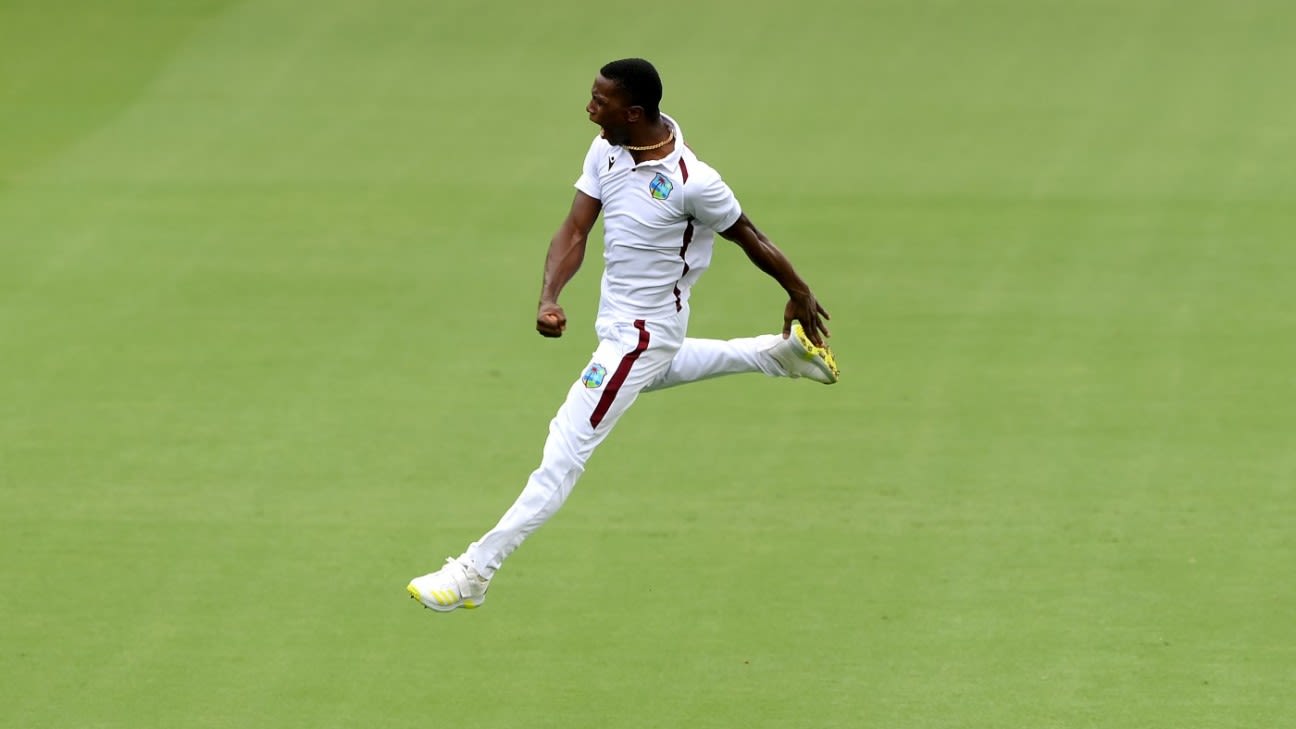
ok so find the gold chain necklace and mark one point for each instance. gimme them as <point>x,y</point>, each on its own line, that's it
<point>669,138</point>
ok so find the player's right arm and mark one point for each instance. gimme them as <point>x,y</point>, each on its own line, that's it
<point>566,252</point>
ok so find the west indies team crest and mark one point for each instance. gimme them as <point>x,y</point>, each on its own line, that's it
<point>593,376</point>
<point>661,187</point>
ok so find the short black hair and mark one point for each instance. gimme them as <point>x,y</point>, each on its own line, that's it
<point>640,82</point>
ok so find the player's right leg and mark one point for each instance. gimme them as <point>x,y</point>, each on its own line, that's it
<point>455,585</point>
<point>628,358</point>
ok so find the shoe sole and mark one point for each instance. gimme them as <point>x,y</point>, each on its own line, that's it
<point>821,357</point>
<point>433,605</point>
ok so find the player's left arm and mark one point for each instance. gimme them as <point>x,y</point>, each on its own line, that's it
<point>802,305</point>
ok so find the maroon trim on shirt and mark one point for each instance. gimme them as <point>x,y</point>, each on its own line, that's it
<point>688,238</point>
<point>618,377</point>
<point>683,170</point>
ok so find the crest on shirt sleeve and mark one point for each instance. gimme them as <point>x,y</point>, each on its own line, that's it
<point>660,186</point>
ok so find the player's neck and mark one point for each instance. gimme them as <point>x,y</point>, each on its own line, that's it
<point>651,136</point>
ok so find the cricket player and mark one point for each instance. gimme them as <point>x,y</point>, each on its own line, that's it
<point>662,207</point>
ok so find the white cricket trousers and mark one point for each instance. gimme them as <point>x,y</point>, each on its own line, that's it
<point>632,357</point>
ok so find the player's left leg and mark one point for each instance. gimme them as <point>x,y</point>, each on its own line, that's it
<point>702,359</point>
<point>769,354</point>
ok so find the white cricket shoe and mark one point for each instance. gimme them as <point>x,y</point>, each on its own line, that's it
<point>799,357</point>
<point>455,585</point>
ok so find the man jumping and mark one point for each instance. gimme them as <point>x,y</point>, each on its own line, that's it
<point>661,208</point>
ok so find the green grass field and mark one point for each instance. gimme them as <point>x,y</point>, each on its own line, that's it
<point>268,272</point>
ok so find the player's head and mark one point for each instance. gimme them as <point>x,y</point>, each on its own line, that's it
<point>626,93</point>
<point>639,84</point>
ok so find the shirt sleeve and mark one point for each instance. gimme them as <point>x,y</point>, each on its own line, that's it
<point>713,204</point>
<point>588,182</point>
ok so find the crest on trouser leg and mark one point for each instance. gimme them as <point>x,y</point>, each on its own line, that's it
<point>594,376</point>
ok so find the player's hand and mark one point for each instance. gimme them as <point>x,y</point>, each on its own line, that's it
<point>806,309</point>
<point>550,320</point>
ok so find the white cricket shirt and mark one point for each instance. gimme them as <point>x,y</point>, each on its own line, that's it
<point>659,223</point>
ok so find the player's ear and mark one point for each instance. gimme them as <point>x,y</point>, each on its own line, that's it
<point>634,113</point>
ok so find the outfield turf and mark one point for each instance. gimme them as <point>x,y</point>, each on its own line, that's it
<point>268,272</point>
